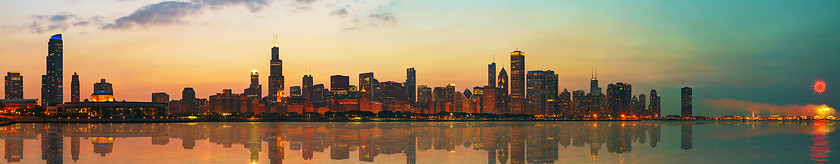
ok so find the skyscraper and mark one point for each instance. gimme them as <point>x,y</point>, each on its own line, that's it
<point>536,97</point>
<point>52,92</point>
<point>517,82</point>
<point>276,84</point>
<point>14,85</point>
<point>502,97</point>
<point>188,101</point>
<point>340,86</point>
<point>491,74</point>
<point>102,85</point>
<point>654,104</point>
<point>565,103</point>
<point>594,89</point>
<point>411,86</point>
<point>424,98</point>
<point>255,88</point>
<point>368,83</point>
<point>686,102</point>
<point>641,109</point>
<point>550,92</point>
<point>74,88</point>
<point>307,88</point>
<point>619,99</point>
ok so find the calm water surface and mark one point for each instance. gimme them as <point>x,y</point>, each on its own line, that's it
<point>424,142</point>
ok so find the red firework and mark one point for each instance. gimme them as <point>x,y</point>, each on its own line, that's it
<point>819,86</point>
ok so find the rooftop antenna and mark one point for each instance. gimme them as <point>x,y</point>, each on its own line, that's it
<point>275,40</point>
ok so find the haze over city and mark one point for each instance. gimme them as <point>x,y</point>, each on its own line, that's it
<point>741,51</point>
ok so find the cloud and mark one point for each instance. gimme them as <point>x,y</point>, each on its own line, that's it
<point>62,21</point>
<point>386,17</point>
<point>342,12</point>
<point>757,107</point>
<point>173,12</point>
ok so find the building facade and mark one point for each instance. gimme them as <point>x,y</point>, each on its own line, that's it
<point>14,85</point>
<point>685,107</point>
<point>52,90</point>
<point>517,82</point>
<point>75,94</point>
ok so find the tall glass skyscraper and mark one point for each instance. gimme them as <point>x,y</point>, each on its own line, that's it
<point>52,90</point>
<point>685,110</point>
<point>491,74</point>
<point>410,86</point>
<point>276,84</point>
<point>537,92</point>
<point>517,82</point>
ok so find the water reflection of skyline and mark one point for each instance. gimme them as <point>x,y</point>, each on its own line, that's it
<point>503,142</point>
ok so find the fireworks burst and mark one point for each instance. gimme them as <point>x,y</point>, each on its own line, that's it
<point>819,86</point>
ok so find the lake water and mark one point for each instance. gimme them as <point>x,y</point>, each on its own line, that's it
<point>424,142</point>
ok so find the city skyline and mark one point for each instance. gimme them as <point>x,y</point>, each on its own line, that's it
<point>711,76</point>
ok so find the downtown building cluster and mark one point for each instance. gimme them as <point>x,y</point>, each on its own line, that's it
<point>531,92</point>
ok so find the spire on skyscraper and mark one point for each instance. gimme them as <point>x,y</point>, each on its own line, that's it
<point>275,40</point>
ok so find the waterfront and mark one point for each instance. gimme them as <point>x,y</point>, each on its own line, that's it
<point>423,142</point>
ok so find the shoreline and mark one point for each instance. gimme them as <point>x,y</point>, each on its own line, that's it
<point>6,123</point>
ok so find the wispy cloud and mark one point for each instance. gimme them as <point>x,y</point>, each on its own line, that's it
<point>59,22</point>
<point>173,12</point>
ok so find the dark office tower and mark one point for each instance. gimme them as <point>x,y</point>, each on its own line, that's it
<point>550,92</point>
<point>307,88</point>
<point>102,85</point>
<point>276,84</point>
<point>410,86</point>
<point>340,86</point>
<point>424,98</point>
<point>52,90</point>
<point>594,89</point>
<point>654,104</point>
<point>686,136</point>
<point>188,94</point>
<point>491,74</point>
<point>642,104</point>
<point>74,88</point>
<point>366,81</point>
<point>686,102</point>
<point>536,97</point>
<point>619,99</point>
<point>565,103</point>
<point>318,94</point>
<point>255,88</point>
<point>502,97</point>
<point>517,82</point>
<point>160,97</point>
<point>188,101</point>
<point>391,93</point>
<point>14,85</point>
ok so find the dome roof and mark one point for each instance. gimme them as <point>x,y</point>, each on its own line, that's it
<point>102,92</point>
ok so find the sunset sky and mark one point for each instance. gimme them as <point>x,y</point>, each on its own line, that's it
<point>769,52</point>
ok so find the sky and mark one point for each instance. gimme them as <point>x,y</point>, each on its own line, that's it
<point>755,53</point>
